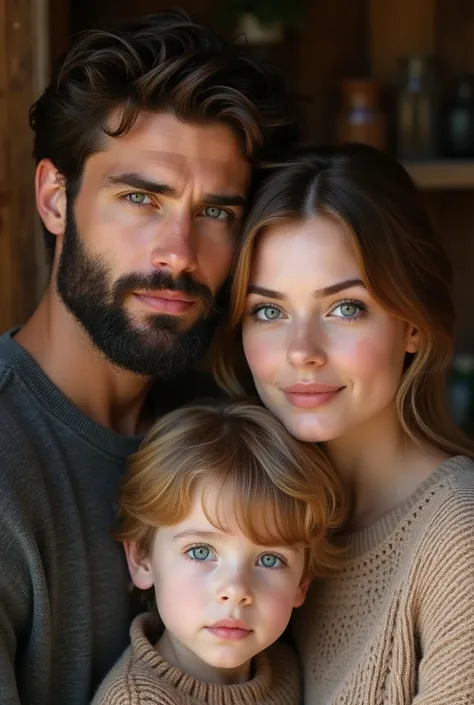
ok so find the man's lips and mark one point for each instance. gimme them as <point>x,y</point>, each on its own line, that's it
<point>230,630</point>
<point>165,301</point>
<point>310,395</point>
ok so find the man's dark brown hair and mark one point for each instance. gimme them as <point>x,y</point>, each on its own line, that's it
<point>163,62</point>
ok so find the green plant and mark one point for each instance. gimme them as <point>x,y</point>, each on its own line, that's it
<point>289,12</point>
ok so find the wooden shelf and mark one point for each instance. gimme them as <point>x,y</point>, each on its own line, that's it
<point>442,175</point>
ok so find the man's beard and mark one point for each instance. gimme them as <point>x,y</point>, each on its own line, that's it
<point>159,348</point>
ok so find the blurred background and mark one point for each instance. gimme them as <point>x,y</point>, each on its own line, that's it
<point>397,74</point>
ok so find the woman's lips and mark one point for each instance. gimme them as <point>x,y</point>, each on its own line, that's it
<point>310,395</point>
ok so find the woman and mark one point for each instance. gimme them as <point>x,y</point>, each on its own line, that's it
<point>341,297</point>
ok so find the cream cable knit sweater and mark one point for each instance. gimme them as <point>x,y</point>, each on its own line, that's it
<point>142,677</point>
<point>396,625</point>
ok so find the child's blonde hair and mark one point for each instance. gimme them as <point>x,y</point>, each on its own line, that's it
<point>285,491</point>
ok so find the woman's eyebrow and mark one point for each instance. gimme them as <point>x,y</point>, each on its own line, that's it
<point>336,288</point>
<point>317,293</point>
<point>268,293</point>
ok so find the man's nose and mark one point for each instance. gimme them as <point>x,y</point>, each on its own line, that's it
<point>175,249</point>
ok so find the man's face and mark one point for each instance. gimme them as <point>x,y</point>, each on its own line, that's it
<point>149,241</point>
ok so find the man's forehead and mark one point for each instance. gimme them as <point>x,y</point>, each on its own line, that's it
<point>166,160</point>
<point>163,134</point>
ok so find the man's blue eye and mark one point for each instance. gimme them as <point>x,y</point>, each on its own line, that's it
<point>216,213</point>
<point>138,198</point>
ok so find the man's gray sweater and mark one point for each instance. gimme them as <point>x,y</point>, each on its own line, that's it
<point>64,586</point>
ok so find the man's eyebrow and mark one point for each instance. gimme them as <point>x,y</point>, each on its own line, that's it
<point>222,199</point>
<point>267,293</point>
<point>336,288</point>
<point>134,180</point>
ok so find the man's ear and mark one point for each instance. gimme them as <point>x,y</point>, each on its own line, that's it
<point>139,566</point>
<point>301,593</point>
<point>51,197</point>
<point>412,344</point>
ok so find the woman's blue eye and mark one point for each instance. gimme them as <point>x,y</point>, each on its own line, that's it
<point>216,213</point>
<point>268,313</point>
<point>269,560</point>
<point>199,553</point>
<point>348,310</point>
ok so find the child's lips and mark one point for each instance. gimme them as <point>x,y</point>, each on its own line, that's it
<point>230,630</point>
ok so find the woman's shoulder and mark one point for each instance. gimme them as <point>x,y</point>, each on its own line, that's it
<point>453,480</point>
<point>449,526</point>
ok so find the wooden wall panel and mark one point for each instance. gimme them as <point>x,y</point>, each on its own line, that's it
<point>101,13</point>
<point>397,29</point>
<point>454,224</point>
<point>18,255</point>
<point>332,47</point>
<point>456,36</point>
<point>5,189</point>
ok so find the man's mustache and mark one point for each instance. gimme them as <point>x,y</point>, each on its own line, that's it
<point>161,280</point>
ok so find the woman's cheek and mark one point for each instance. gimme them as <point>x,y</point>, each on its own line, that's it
<point>262,352</point>
<point>374,353</point>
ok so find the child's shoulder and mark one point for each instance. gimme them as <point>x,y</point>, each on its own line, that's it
<point>117,685</point>
<point>132,681</point>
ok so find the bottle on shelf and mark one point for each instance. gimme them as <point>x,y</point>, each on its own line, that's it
<point>461,391</point>
<point>458,128</point>
<point>417,109</point>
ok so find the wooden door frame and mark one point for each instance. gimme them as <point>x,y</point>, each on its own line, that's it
<point>24,68</point>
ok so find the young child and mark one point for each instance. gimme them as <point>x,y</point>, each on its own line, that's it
<point>226,516</point>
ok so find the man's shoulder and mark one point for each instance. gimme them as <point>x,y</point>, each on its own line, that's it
<point>10,377</point>
<point>18,455</point>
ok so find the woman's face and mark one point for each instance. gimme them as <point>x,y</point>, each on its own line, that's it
<point>325,357</point>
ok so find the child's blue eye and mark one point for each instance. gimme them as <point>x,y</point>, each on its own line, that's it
<point>199,553</point>
<point>269,560</point>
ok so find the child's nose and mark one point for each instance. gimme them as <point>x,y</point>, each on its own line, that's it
<point>236,592</point>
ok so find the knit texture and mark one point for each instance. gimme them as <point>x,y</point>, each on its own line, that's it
<point>396,625</point>
<point>143,677</point>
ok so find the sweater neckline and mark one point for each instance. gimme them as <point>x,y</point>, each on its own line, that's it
<point>364,540</point>
<point>252,692</point>
<point>57,404</point>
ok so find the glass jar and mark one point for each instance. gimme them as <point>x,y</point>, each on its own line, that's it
<point>362,119</point>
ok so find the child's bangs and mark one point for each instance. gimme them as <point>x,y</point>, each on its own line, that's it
<point>265,514</point>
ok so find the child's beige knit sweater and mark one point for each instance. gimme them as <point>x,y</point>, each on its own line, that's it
<point>142,677</point>
<point>396,625</point>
